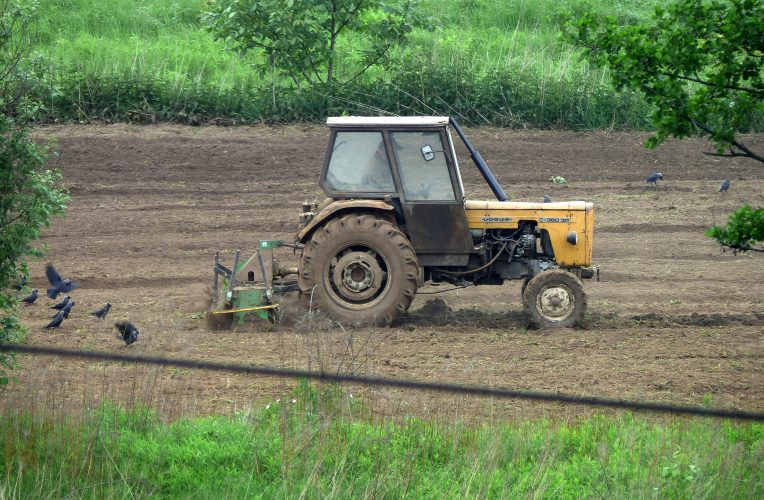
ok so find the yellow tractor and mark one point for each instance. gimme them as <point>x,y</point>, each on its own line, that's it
<point>396,218</point>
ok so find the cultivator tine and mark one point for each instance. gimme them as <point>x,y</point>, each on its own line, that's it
<point>232,280</point>
<point>216,282</point>
<point>223,271</point>
<point>265,274</point>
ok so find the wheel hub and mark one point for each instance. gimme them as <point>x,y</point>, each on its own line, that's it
<point>556,302</point>
<point>357,276</point>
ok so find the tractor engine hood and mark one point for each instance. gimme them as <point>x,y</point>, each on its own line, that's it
<point>569,224</point>
<point>528,205</point>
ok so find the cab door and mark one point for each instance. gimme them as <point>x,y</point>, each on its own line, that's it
<point>432,200</point>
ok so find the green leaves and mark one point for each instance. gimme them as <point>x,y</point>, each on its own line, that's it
<point>745,228</point>
<point>298,38</point>
<point>30,194</point>
<point>698,62</point>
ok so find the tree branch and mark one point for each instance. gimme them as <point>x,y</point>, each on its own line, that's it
<point>733,142</point>
<point>349,16</point>
<point>379,56</point>
<point>294,79</point>
<point>302,72</point>
<point>23,213</point>
<point>332,40</point>
<point>738,248</point>
<point>731,154</point>
<point>20,45</point>
<point>709,84</point>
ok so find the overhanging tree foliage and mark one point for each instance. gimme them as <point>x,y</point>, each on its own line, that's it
<point>30,194</point>
<point>298,38</point>
<point>699,62</point>
<point>744,229</point>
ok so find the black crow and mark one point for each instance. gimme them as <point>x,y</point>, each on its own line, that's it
<point>129,333</point>
<point>59,285</point>
<point>102,312</point>
<point>67,309</point>
<point>29,299</point>
<point>725,186</point>
<point>57,320</point>
<point>20,285</point>
<point>61,304</point>
<point>653,178</point>
<point>547,199</point>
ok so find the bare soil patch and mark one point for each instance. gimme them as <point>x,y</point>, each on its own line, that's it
<point>672,319</point>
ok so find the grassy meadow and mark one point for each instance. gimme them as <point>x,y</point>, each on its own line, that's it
<point>321,443</point>
<point>494,62</point>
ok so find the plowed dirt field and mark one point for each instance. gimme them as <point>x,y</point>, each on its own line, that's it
<point>673,319</point>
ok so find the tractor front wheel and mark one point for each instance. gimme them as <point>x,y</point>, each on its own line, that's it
<point>555,299</point>
<point>522,291</point>
<point>359,269</point>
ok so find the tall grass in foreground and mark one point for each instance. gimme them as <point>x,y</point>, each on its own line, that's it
<point>488,61</point>
<point>318,445</point>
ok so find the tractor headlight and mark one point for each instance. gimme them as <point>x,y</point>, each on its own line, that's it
<point>572,238</point>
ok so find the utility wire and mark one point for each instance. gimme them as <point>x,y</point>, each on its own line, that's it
<point>391,382</point>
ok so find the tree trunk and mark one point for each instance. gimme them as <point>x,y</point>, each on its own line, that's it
<point>332,41</point>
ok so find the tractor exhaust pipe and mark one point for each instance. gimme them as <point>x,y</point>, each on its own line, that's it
<point>480,163</point>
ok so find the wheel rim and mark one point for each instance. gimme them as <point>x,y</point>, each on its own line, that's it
<point>357,277</point>
<point>555,302</point>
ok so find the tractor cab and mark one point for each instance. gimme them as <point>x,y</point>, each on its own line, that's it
<point>396,218</point>
<point>409,161</point>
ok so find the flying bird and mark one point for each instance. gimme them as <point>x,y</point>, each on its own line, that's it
<point>725,186</point>
<point>61,304</point>
<point>129,333</point>
<point>654,178</point>
<point>547,199</point>
<point>59,285</point>
<point>102,312</point>
<point>29,299</point>
<point>56,322</point>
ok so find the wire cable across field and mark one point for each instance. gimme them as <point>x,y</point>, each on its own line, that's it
<point>392,382</point>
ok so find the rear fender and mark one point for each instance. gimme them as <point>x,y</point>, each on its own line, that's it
<point>340,207</point>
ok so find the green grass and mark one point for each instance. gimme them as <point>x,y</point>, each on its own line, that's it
<point>489,61</point>
<point>321,445</point>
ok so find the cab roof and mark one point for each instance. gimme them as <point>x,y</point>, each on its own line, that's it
<point>386,121</point>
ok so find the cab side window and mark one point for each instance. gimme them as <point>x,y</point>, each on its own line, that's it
<point>422,179</point>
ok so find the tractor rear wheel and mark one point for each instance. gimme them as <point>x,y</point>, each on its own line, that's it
<point>359,269</point>
<point>555,299</point>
